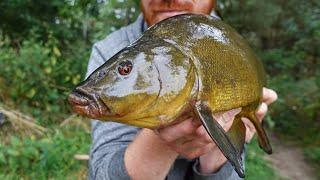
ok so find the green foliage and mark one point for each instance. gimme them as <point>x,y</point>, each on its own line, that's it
<point>256,166</point>
<point>112,16</point>
<point>298,109</point>
<point>41,61</point>
<point>40,71</point>
<point>40,75</point>
<point>39,20</point>
<point>313,154</point>
<point>286,35</point>
<point>51,156</point>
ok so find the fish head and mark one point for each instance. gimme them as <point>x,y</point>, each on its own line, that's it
<point>136,83</point>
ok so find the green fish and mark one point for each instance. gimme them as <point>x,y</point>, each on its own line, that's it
<point>186,65</point>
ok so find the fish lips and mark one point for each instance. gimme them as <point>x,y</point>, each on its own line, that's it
<point>88,104</point>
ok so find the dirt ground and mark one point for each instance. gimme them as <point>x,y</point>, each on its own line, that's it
<point>288,161</point>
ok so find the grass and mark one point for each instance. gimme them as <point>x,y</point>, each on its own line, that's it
<point>256,166</point>
<point>312,154</point>
<point>51,157</point>
<point>48,157</point>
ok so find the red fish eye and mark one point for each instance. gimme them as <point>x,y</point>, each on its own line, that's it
<point>125,68</point>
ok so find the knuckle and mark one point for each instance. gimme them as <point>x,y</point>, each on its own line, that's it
<point>190,156</point>
<point>182,152</point>
<point>187,129</point>
<point>249,125</point>
<point>208,139</point>
<point>274,95</point>
<point>174,148</point>
<point>262,109</point>
<point>196,153</point>
<point>269,95</point>
<point>227,126</point>
<point>205,138</point>
<point>201,131</point>
<point>166,137</point>
<point>249,137</point>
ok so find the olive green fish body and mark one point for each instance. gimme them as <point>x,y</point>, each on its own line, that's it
<point>231,75</point>
<point>187,65</point>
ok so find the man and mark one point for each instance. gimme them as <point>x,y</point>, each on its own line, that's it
<point>181,151</point>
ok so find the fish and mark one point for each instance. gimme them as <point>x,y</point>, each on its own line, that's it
<point>187,65</point>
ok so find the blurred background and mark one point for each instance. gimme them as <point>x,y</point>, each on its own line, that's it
<point>45,47</point>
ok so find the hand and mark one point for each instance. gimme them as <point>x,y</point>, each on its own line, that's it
<point>190,139</point>
<point>213,160</point>
<point>268,97</point>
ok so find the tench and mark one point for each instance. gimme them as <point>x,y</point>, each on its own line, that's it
<point>186,63</point>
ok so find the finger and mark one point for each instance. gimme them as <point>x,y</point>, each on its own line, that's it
<point>187,145</point>
<point>194,139</point>
<point>225,119</point>
<point>183,140</point>
<point>203,134</point>
<point>250,129</point>
<point>225,123</point>
<point>269,96</point>
<point>184,145</point>
<point>262,111</point>
<point>195,152</point>
<point>177,131</point>
<point>193,144</point>
<point>248,124</point>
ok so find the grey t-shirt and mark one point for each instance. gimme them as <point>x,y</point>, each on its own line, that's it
<point>110,139</point>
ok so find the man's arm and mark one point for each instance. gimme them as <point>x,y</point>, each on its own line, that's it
<point>225,172</point>
<point>148,157</point>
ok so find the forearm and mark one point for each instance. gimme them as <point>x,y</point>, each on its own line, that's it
<point>215,166</point>
<point>147,157</point>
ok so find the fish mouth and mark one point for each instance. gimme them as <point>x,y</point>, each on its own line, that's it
<point>88,104</point>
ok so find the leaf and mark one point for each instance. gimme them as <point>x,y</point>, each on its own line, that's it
<point>53,61</point>
<point>56,51</point>
<point>13,152</point>
<point>15,141</point>
<point>2,158</point>
<point>76,79</point>
<point>48,70</point>
<point>31,93</point>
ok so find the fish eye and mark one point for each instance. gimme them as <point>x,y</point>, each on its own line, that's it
<point>124,68</point>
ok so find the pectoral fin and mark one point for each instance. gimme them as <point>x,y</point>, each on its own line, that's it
<point>220,137</point>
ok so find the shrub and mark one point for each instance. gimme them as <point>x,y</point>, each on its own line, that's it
<point>48,157</point>
<point>39,76</point>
